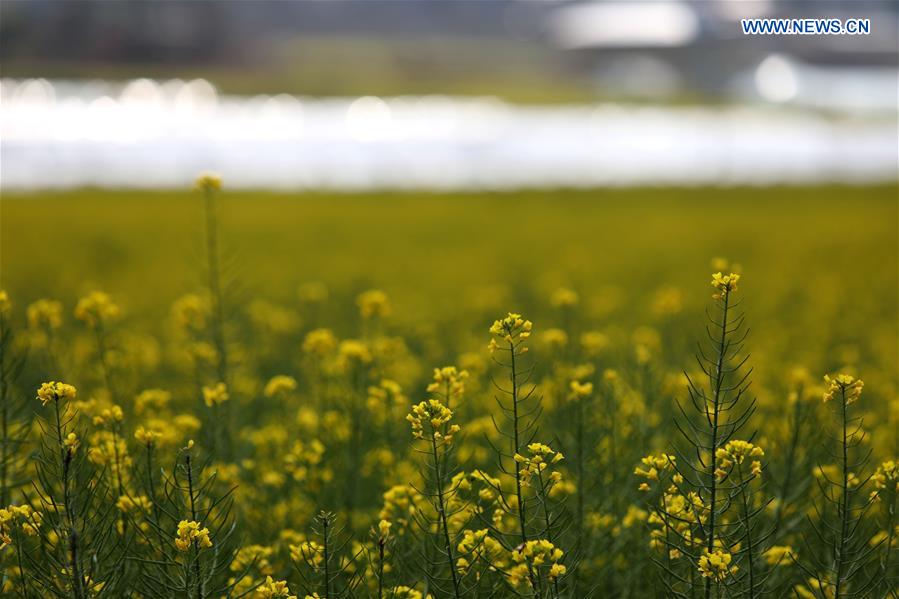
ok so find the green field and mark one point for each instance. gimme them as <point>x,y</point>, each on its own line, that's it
<point>819,287</point>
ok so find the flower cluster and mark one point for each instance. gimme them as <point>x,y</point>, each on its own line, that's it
<point>54,391</point>
<point>96,308</point>
<point>208,182</point>
<point>449,383</point>
<point>215,395</point>
<point>512,329</point>
<point>535,556</point>
<point>191,533</point>
<point>541,456</point>
<point>654,465</point>
<point>373,304</point>
<point>717,565</point>
<point>885,477</point>
<point>22,516</point>
<point>272,589</point>
<point>435,415</point>
<point>724,284</point>
<point>847,385</point>
<point>279,385</point>
<point>735,453</point>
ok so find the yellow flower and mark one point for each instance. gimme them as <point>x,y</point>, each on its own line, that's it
<point>779,555</point>
<point>44,314</point>
<point>886,476</point>
<point>215,395</point>
<point>716,565</point>
<point>383,529</point>
<point>580,390</point>
<point>512,329</point>
<point>280,384</point>
<point>146,437</point>
<point>735,453</point>
<point>54,391</point>
<point>127,503</point>
<point>433,414</point>
<point>191,533</point>
<point>5,304</point>
<point>449,383</point>
<point>208,182</point>
<point>71,443</point>
<point>272,589</point>
<point>846,385</point>
<point>96,308</point>
<point>319,341</point>
<point>724,284</point>
<point>564,298</point>
<point>373,304</point>
<point>655,464</point>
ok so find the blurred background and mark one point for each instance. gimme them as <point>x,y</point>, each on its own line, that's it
<point>442,94</point>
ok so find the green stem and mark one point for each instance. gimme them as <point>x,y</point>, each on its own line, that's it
<point>713,483</point>
<point>441,513</point>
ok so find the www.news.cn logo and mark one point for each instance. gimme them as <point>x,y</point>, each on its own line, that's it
<point>806,26</point>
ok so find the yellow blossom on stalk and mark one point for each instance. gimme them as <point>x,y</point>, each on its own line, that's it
<point>655,464</point>
<point>253,555</point>
<point>817,587</point>
<point>724,284</point>
<point>44,314</point>
<point>885,477</point>
<point>541,456</point>
<point>433,414</point>
<point>734,453</point>
<point>717,565</point>
<point>555,339</point>
<point>272,589</point>
<point>373,304</point>
<point>27,520</point>
<point>208,182</point>
<point>127,503</point>
<point>843,384</point>
<point>151,399</point>
<point>448,382</point>
<point>352,352</point>
<point>108,415</point>
<point>71,443</point>
<point>402,592</point>
<point>564,298</point>
<point>145,436</point>
<point>594,343</point>
<point>479,545</point>
<point>512,329</point>
<point>320,342</point>
<point>534,556</point>
<point>779,555</point>
<point>580,390</point>
<point>215,395</point>
<point>189,533</point>
<point>54,391</point>
<point>400,506</point>
<point>191,312</point>
<point>280,384</point>
<point>309,552</point>
<point>384,529</point>
<point>96,308</point>
<point>5,304</point>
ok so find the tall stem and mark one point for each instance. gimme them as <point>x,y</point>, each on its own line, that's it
<point>516,445</point>
<point>713,483</point>
<point>748,527</point>
<point>441,514</point>
<point>844,499</point>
